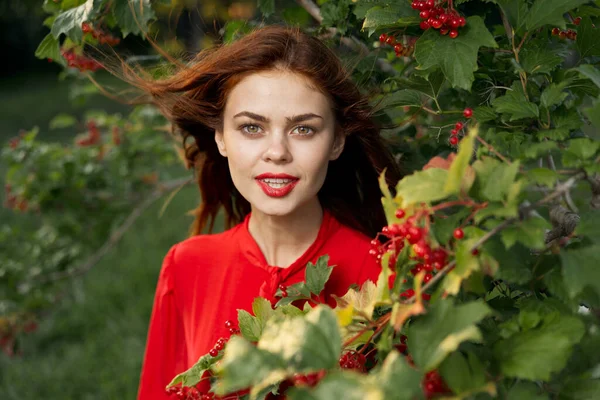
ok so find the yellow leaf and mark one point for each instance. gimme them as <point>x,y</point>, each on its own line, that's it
<point>451,342</point>
<point>460,175</point>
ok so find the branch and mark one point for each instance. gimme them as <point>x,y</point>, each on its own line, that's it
<point>351,42</point>
<point>118,233</point>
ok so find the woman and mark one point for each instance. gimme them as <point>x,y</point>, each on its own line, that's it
<point>284,142</point>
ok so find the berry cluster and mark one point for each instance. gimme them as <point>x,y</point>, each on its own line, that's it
<point>568,34</point>
<point>189,393</point>
<point>102,37</point>
<point>353,360</point>
<point>399,49</point>
<point>93,136</point>
<point>80,61</point>
<point>233,329</point>
<point>13,201</point>
<point>434,385</point>
<point>283,289</point>
<point>459,126</point>
<point>447,20</point>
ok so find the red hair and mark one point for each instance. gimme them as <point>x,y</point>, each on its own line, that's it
<point>194,97</point>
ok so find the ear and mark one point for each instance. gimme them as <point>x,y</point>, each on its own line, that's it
<point>338,146</point>
<point>220,143</point>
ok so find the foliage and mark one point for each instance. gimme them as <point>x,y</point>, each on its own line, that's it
<point>489,283</point>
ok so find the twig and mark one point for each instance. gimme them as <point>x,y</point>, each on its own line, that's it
<point>118,234</point>
<point>493,150</point>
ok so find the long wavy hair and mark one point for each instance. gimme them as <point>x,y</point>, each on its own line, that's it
<point>193,98</point>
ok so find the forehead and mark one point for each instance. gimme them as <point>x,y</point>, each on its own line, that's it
<point>276,92</point>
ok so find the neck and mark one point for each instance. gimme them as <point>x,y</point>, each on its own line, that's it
<point>283,239</point>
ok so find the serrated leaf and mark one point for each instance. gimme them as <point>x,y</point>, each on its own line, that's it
<point>463,374</point>
<point>558,134</point>
<point>457,58</point>
<point>590,72</point>
<point>529,232</point>
<point>193,375</point>
<point>484,114</point>
<point>400,98</point>
<point>133,16</point>
<point>515,11</point>
<point>554,94</point>
<point>429,86</point>
<point>388,15</point>
<point>593,113</point>
<point>249,326</point>
<point>440,331</point>
<point>587,41</point>
<point>539,60</point>
<point>245,365</point>
<point>318,274</point>
<point>515,104</point>
<point>460,176</point>
<point>537,353</point>
<point>550,12</point>
<point>495,178</point>
<point>422,186</point>
<point>526,391</point>
<point>513,266</point>
<point>543,176</point>
<point>69,22</point>
<point>362,301</point>
<point>311,342</point>
<point>396,373</point>
<point>580,269</point>
<point>50,48</point>
<point>535,150</point>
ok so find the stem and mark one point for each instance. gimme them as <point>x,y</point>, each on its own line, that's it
<point>493,150</point>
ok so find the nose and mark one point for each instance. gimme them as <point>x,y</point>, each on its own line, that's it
<point>277,149</point>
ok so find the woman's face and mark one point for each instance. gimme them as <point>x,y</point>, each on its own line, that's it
<point>278,136</point>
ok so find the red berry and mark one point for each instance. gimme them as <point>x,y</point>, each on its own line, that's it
<point>462,21</point>
<point>391,40</point>
<point>424,25</point>
<point>577,21</point>
<point>555,31</point>
<point>85,27</point>
<point>424,14</point>
<point>458,233</point>
<point>454,23</point>
<point>562,34</point>
<point>443,17</point>
<point>454,132</point>
<point>475,252</point>
<point>437,24</point>
<point>444,31</point>
<point>453,140</point>
<point>430,4</point>
<point>398,48</point>
<point>415,5</point>
<point>382,38</point>
<point>467,112</point>
<point>427,278</point>
<point>213,352</point>
<point>453,33</point>
<point>459,125</point>
<point>400,213</point>
<point>229,324</point>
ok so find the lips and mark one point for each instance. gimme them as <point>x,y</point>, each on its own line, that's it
<point>276,185</point>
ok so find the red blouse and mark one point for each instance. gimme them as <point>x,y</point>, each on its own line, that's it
<point>205,279</point>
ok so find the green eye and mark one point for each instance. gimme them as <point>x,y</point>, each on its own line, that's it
<point>251,129</point>
<point>305,130</point>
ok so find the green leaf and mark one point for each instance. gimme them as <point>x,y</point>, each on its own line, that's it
<point>387,15</point>
<point>484,114</point>
<point>495,178</point>
<point>526,391</point>
<point>458,177</point>
<point>535,150</point>
<point>249,326</point>
<point>318,274</point>
<point>513,263</point>
<point>466,264</point>
<point>550,12</point>
<point>530,232</point>
<point>405,97</point>
<point>580,389</point>
<point>133,16</point>
<point>440,331</point>
<point>422,186</point>
<point>580,269</point>
<point>554,94</point>
<point>62,121</point>
<point>311,342</point>
<point>69,22</point>
<point>543,176</point>
<point>539,60</point>
<point>244,365</point>
<point>457,58</point>
<point>593,113</point>
<point>335,14</point>
<point>587,41</point>
<point>192,376</point>
<point>266,7</point>
<point>516,12</point>
<point>396,373</point>
<point>463,374</point>
<point>537,353</point>
<point>590,72</point>
<point>515,104</point>
<point>50,48</point>
<point>589,225</point>
<point>429,86</point>
<point>338,384</point>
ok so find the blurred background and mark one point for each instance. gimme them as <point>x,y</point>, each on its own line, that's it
<point>84,334</point>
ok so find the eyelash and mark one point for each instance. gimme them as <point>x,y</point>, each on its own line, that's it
<point>242,128</point>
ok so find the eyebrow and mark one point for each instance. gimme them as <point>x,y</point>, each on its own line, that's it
<point>296,118</point>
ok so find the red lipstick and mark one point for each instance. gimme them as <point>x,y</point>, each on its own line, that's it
<point>289,184</point>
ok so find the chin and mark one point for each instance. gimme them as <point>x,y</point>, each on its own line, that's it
<point>276,208</point>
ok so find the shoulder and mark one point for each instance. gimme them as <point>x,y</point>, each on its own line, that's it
<point>350,240</point>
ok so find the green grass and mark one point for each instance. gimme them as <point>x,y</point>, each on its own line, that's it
<point>91,345</point>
